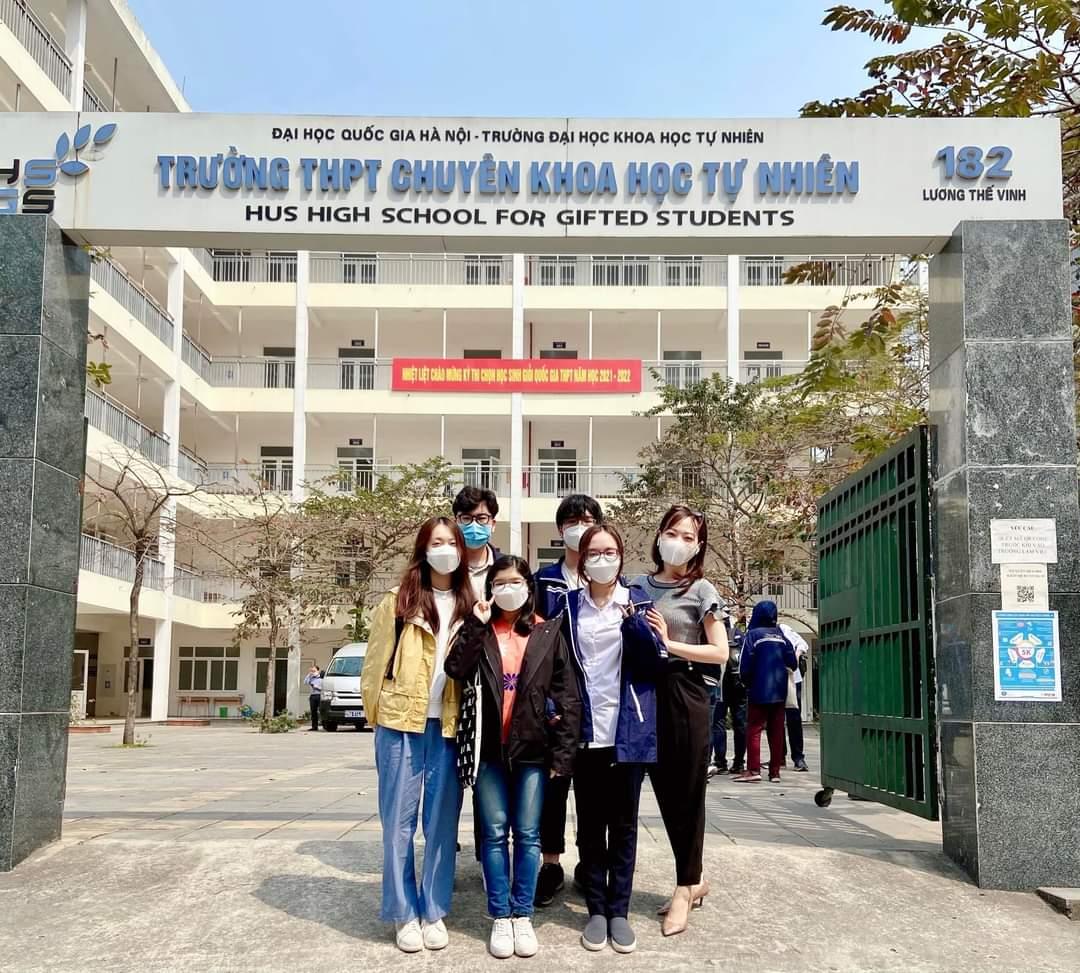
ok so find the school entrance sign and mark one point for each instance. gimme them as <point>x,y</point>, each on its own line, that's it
<point>321,182</point>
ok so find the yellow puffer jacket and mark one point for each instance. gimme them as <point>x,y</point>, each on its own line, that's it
<point>401,703</point>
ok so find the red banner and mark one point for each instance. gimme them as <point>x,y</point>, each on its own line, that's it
<point>619,375</point>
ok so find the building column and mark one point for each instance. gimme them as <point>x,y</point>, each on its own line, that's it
<point>1002,401</point>
<point>300,377</point>
<point>163,628</point>
<point>591,475</point>
<point>516,431</point>
<point>174,304</point>
<point>45,280</point>
<point>588,341</point>
<point>75,49</point>
<point>734,339</point>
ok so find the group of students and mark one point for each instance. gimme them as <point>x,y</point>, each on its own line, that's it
<point>573,676</point>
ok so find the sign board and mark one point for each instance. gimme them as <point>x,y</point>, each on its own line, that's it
<point>533,185</point>
<point>1032,541</point>
<point>1024,587</point>
<point>1027,661</point>
<point>616,375</point>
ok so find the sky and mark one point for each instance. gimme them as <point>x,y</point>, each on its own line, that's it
<point>601,58</point>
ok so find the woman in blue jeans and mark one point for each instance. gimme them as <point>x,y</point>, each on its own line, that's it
<point>523,662</point>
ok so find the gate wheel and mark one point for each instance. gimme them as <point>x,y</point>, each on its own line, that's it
<point>823,798</point>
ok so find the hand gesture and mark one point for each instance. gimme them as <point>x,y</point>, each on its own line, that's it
<point>482,611</point>
<point>657,622</point>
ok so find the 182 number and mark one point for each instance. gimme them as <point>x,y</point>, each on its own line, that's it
<point>970,162</point>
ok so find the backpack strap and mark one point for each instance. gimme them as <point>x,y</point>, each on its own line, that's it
<point>399,627</point>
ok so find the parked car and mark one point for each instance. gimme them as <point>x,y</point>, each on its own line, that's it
<point>341,701</point>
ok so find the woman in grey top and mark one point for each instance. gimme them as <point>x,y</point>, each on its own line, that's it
<point>691,617</point>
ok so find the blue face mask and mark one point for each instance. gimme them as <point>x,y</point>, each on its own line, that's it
<point>476,535</point>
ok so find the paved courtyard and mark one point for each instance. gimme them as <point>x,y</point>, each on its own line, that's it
<point>217,849</point>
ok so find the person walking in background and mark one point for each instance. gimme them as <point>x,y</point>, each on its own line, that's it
<point>414,709</point>
<point>523,663</point>
<point>313,680</point>
<point>793,713</point>
<point>690,616</point>
<point>767,658</point>
<point>618,659</point>
<point>575,515</point>
<point>475,510</point>
<point>730,697</point>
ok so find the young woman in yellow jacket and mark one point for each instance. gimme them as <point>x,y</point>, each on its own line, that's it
<point>414,709</point>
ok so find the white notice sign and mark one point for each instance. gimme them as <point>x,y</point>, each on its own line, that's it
<point>1024,588</point>
<point>1023,541</point>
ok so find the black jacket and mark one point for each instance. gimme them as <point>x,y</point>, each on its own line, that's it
<point>546,673</point>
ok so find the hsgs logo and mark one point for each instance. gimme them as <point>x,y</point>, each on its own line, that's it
<point>39,175</point>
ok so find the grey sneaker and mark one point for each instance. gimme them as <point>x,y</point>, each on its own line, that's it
<point>623,939</point>
<point>594,938</point>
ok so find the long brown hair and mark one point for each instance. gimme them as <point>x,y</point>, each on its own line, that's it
<point>586,540</point>
<point>695,569</point>
<point>414,595</point>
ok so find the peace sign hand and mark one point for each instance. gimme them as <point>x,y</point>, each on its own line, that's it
<point>482,611</point>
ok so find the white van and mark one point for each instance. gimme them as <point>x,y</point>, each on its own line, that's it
<point>341,700</point>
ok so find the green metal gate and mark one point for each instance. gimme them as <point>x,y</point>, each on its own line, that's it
<point>875,662</point>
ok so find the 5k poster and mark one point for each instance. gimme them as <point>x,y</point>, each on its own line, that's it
<point>1027,658</point>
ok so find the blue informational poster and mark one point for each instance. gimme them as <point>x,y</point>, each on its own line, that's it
<point>1027,658</point>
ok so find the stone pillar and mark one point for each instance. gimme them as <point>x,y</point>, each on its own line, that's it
<point>734,338</point>
<point>1002,403</point>
<point>44,300</point>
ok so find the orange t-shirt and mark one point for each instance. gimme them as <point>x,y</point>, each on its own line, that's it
<point>512,649</point>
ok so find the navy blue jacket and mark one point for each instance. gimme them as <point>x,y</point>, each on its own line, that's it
<point>551,590</point>
<point>767,657</point>
<point>644,663</point>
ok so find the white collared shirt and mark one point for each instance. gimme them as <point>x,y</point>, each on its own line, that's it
<point>798,643</point>
<point>444,604</point>
<point>599,635</point>
<point>478,574</point>
<point>572,578</point>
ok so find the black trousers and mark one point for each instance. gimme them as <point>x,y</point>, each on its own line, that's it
<point>313,701</point>
<point>606,795</point>
<point>553,816</point>
<point>683,740</point>
<point>795,728</point>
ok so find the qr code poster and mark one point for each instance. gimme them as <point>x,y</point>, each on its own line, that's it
<point>1027,664</point>
<point>1024,588</point>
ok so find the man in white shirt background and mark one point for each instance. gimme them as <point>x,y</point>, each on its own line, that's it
<point>794,713</point>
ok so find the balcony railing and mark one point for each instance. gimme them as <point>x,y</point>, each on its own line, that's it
<point>452,269</point>
<point>32,34</point>
<point>196,357</point>
<point>756,371</point>
<point>91,102</point>
<point>557,480</point>
<point>191,468</point>
<point>273,477</point>
<point>112,561</point>
<point>625,271</point>
<point>869,271</point>
<point>133,299</point>
<point>349,373</point>
<point>193,585</point>
<point>683,373</point>
<point>240,267</point>
<point>115,421</point>
<point>253,373</point>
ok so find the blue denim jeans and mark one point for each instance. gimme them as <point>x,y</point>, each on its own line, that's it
<point>414,767</point>
<point>719,731</point>
<point>510,800</point>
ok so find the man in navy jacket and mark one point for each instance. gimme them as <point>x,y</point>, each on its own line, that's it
<point>767,658</point>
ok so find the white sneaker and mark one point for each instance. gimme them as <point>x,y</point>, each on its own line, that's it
<point>409,937</point>
<point>435,936</point>
<point>501,944</point>
<point>524,937</point>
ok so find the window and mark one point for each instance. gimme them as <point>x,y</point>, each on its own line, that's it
<point>345,665</point>
<point>277,468</point>
<point>483,269</point>
<point>280,371</point>
<point>682,368</point>
<point>262,661</point>
<point>213,668</point>
<point>764,271</point>
<point>752,371</point>
<point>232,265</point>
<point>357,368</point>
<point>620,271</point>
<point>358,268</point>
<point>557,271</point>
<point>281,267</point>
<point>482,353</point>
<point>682,271</point>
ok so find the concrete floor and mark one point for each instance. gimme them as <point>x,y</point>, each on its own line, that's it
<point>216,849</point>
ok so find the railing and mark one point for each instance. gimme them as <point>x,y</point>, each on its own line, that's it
<point>272,477</point>
<point>756,371</point>
<point>32,34</point>
<point>625,271</point>
<point>115,421</point>
<point>205,258</point>
<point>788,595</point>
<point>346,479</point>
<point>196,357</point>
<point>683,373</point>
<point>105,558</point>
<point>869,271</point>
<point>411,268</point>
<point>253,373</point>
<point>559,480</point>
<point>240,267</point>
<point>349,373</point>
<point>91,102</point>
<point>191,468</point>
<point>133,299</point>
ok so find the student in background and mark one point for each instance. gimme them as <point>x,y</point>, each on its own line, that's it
<point>691,617</point>
<point>730,697</point>
<point>414,709</point>
<point>767,658</point>
<point>475,510</point>
<point>793,714</point>
<point>313,680</point>
<point>523,662</point>
<point>576,514</point>
<point>618,658</point>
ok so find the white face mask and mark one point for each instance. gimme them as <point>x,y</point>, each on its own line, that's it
<point>602,570</point>
<point>444,560</point>
<point>676,551</point>
<point>572,535</point>
<point>510,596</point>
